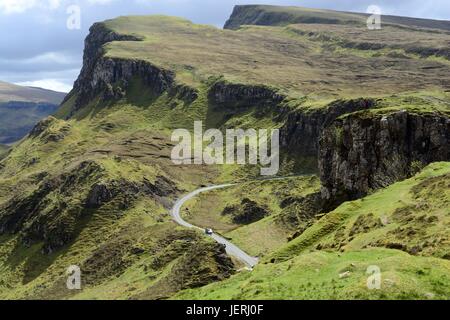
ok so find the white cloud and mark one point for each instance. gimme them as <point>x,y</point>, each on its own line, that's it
<point>50,84</point>
<point>51,57</point>
<point>54,4</point>
<point>20,6</point>
<point>100,1</point>
<point>16,6</point>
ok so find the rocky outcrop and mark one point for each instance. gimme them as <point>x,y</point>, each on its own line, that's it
<point>301,132</point>
<point>109,77</point>
<point>50,130</point>
<point>42,126</point>
<point>40,217</point>
<point>53,212</point>
<point>102,193</point>
<point>242,95</point>
<point>202,264</point>
<point>364,151</point>
<point>247,212</point>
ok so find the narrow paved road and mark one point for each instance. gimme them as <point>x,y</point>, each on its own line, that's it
<point>231,249</point>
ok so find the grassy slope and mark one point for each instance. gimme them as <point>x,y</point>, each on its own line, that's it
<point>130,141</point>
<point>123,141</point>
<point>283,15</point>
<point>315,275</point>
<point>268,15</point>
<point>302,272</point>
<point>398,209</point>
<point>280,57</point>
<point>260,237</point>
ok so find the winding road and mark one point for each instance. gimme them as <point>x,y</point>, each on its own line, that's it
<point>230,248</point>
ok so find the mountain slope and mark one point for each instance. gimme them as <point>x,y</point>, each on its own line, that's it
<point>93,185</point>
<point>22,107</point>
<point>276,15</point>
<point>331,258</point>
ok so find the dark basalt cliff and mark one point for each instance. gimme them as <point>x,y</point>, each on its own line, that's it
<point>223,93</point>
<point>109,77</point>
<point>364,152</point>
<point>301,132</point>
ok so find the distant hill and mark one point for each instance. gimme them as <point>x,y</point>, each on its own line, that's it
<point>11,92</point>
<point>22,107</point>
<point>275,15</point>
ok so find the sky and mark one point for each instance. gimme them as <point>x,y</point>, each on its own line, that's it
<point>41,41</point>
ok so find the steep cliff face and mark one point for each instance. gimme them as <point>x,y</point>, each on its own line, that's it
<point>230,94</point>
<point>363,152</point>
<point>302,129</point>
<point>109,77</point>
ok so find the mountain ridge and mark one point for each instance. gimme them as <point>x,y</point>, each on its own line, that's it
<point>273,15</point>
<point>93,186</point>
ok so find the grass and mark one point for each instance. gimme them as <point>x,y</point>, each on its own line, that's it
<point>332,231</point>
<point>277,57</point>
<point>350,239</point>
<point>127,145</point>
<point>268,15</point>
<point>128,248</point>
<point>258,238</point>
<point>316,275</point>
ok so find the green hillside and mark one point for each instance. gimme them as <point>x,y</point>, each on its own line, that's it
<point>403,230</point>
<point>319,65</point>
<point>276,15</point>
<point>362,115</point>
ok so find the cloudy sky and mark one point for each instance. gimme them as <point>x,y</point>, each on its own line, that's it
<point>38,48</point>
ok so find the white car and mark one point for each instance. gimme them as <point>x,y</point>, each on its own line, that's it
<point>209,231</point>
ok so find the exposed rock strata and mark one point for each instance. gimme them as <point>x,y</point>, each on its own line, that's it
<point>364,152</point>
